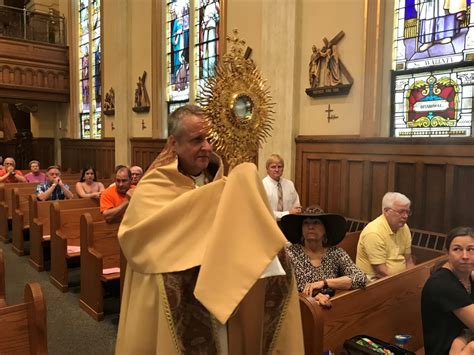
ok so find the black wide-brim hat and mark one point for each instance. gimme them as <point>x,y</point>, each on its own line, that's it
<point>335,225</point>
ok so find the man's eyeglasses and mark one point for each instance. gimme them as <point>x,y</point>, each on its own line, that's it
<point>402,212</point>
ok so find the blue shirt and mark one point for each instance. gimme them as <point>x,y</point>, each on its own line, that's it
<point>57,194</point>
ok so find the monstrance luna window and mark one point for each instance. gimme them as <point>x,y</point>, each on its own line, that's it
<point>192,42</point>
<point>90,89</point>
<point>433,68</point>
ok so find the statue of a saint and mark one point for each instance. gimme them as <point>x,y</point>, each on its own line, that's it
<point>142,99</point>
<point>315,67</point>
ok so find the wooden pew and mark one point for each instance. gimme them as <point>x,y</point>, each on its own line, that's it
<point>40,230</point>
<point>23,326</point>
<point>65,232</point>
<point>386,307</point>
<point>6,205</point>
<point>3,300</point>
<point>100,250</point>
<point>20,218</point>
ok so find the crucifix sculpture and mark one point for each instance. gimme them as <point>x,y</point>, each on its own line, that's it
<point>327,73</point>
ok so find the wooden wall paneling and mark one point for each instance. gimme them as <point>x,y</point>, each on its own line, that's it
<point>448,196</point>
<point>434,198</point>
<point>145,150</point>
<point>405,183</point>
<point>366,190</point>
<point>436,174</point>
<point>100,153</point>
<point>379,184</point>
<point>355,189</point>
<point>391,176</point>
<point>313,183</point>
<point>334,184</point>
<point>323,185</point>
<point>344,189</point>
<point>463,192</point>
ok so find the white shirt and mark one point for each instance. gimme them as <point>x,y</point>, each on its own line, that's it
<point>290,196</point>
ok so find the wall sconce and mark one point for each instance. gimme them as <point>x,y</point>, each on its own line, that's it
<point>112,126</point>
<point>143,124</point>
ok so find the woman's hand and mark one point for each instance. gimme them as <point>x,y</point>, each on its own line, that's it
<point>309,288</point>
<point>323,300</point>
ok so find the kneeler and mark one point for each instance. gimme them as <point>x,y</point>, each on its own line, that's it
<point>245,326</point>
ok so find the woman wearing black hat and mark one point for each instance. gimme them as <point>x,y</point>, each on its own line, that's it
<point>318,263</point>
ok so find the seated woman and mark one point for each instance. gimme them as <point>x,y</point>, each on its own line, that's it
<point>447,299</point>
<point>88,186</point>
<point>318,263</point>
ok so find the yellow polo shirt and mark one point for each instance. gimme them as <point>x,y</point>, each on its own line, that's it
<point>378,244</point>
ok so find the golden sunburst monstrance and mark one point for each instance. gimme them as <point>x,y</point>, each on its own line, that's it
<point>237,105</point>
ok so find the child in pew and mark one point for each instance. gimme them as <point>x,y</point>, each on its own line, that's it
<point>447,300</point>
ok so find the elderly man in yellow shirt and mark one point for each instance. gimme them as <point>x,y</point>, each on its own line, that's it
<point>384,246</point>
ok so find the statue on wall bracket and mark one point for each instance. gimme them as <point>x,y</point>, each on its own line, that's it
<point>109,103</point>
<point>238,105</point>
<point>142,100</point>
<point>328,76</point>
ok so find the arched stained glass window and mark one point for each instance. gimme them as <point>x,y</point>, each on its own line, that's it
<point>433,68</point>
<point>192,46</point>
<point>90,89</point>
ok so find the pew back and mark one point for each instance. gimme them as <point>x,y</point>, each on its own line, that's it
<point>65,242</point>
<point>40,224</point>
<point>3,301</point>
<point>6,205</point>
<point>24,325</point>
<point>100,251</point>
<point>386,307</point>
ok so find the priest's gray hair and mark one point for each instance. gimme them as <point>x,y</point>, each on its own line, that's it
<point>175,127</point>
<point>390,198</point>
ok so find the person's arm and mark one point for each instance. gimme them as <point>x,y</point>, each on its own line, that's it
<point>45,195</point>
<point>466,315</point>
<point>381,270</point>
<point>67,193</point>
<point>338,283</point>
<point>4,177</point>
<point>80,190</point>
<point>115,214</point>
<point>347,267</point>
<point>409,261</point>
<point>19,177</point>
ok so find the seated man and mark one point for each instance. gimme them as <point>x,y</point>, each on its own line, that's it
<point>114,200</point>
<point>8,174</point>
<point>384,246</point>
<point>281,192</point>
<point>137,174</point>
<point>53,188</point>
<point>35,175</point>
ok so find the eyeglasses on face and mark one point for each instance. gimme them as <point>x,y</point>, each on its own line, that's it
<point>402,212</point>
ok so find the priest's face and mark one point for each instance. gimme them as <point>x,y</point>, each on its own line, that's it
<point>191,145</point>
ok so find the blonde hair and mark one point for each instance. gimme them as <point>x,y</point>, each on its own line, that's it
<point>274,158</point>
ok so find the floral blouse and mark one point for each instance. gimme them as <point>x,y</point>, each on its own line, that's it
<point>335,263</point>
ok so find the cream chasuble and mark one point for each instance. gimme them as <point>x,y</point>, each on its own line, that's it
<point>214,242</point>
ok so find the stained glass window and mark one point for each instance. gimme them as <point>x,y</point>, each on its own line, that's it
<point>90,88</point>
<point>432,73</point>
<point>207,40</point>
<point>192,45</point>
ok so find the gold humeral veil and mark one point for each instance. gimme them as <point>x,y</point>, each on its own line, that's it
<point>194,255</point>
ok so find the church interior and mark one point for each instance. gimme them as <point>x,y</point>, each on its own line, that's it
<point>360,106</point>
